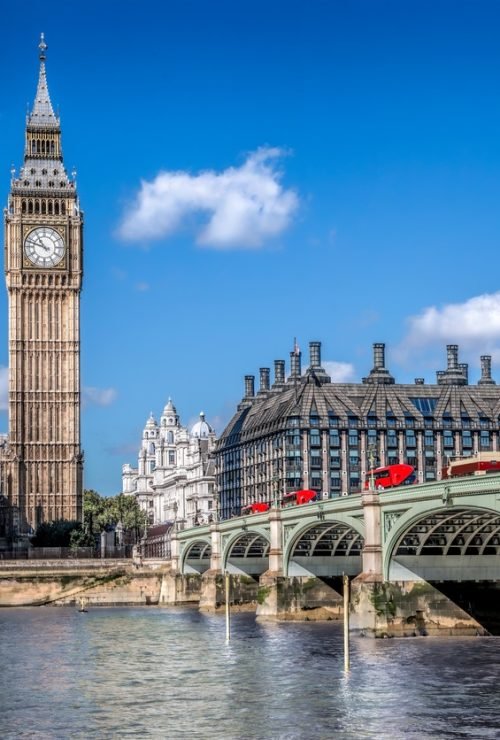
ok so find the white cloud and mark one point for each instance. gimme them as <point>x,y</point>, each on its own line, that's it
<point>340,372</point>
<point>474,325</point>
<point>4,388</point>
<point>241,206</point>
<point>98,396</point>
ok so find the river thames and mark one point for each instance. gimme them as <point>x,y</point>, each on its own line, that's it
<point>159,673</point>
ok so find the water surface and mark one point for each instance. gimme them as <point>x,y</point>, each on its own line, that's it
<point>169,673</point>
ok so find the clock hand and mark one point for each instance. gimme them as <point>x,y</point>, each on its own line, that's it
<point>42,244</point>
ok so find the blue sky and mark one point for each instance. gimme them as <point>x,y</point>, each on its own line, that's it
<point>255,171</point>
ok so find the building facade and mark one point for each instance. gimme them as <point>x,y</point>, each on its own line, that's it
<point>307,432</point>
<point>42,459</point>
<point>175,475</point>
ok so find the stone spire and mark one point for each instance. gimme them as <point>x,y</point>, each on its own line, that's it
<point>42,115</point>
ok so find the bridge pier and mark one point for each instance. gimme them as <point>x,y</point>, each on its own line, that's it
<point>297,597</point>
<point>178,589</point>
<point>406,609</point>
<point>399,608</point>
<point>212,586</point>
<point>285,597</point>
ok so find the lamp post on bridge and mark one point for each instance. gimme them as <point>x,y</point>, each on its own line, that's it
<point>275,480</point>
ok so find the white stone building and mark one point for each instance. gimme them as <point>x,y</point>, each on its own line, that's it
<point>175,476</point>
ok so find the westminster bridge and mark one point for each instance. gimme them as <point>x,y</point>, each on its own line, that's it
<point>396,546</point>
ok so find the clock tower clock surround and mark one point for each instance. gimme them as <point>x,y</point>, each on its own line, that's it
<point>42,463</point>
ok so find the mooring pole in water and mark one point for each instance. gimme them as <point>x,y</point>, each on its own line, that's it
<point>346,623</point>
<point>228,613</point>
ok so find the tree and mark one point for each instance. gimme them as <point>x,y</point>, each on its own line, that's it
<point>104,512</point>
<point>55,534</point>
<point>99,513</point>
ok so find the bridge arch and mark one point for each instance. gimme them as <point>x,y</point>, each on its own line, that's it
<point>324,546</point>
<point>247,551</point>
<point>195,557</point>
<point>466,533</point>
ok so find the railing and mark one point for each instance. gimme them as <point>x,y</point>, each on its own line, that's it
<point>67,553</point>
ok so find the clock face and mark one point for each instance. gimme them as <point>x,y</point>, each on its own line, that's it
<point>44,247</point>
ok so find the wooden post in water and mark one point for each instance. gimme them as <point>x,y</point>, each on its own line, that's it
<point>346,623</point>
<point>228,613</point>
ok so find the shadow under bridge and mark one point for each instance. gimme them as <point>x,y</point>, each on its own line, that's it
<point>247,554</point>
<point>197,557</point>
<point>326,550</point>
<point>457,551</point>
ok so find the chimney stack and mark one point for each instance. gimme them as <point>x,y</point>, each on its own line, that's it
<point>379,374</point>
<point>456,373</point>
<point>452,351</point>
<point>315,354</point>
<point>279,372</point>
<point>295,363</point>
<point>378,355</point>
<point>486,378</point>
<point>264,379</point>
<point>249,386</point>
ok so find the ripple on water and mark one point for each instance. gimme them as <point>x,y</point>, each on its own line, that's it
<point>170,674</point>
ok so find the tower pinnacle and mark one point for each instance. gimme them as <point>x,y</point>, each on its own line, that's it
<point>42,114</point>
<point>43,47</point>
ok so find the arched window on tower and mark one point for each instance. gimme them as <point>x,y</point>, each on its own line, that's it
<point>170,438</point>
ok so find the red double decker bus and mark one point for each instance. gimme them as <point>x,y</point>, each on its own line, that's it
<point>297,498</point>
<point>390,476</point>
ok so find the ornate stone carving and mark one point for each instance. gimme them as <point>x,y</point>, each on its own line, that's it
<point>287,531</point>
<point>390,517</point>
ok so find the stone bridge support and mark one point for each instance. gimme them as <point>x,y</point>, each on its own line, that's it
<point>407,609</point>
<point>212,581</point>
<point>401,608</point>
<point>176,588</point>
<point>283,597</point>
<point>270,601</point>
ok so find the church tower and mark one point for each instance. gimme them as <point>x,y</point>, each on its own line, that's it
<point>42,479</point>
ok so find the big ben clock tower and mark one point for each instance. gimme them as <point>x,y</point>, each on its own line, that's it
<point>42,460</point>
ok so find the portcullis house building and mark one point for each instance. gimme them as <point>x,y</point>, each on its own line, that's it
<point>305,431</point>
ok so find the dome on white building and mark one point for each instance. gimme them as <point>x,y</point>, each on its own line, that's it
<point>202,428</point>
<point>169,408</point>
<point>151,422</point>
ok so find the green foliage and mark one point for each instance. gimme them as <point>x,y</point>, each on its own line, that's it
<point>104,512</point>
<point>81,538</point>
<point>55,534</point>
<point>383,601</point>
<point>263,593</point>
<point>99,513</point>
